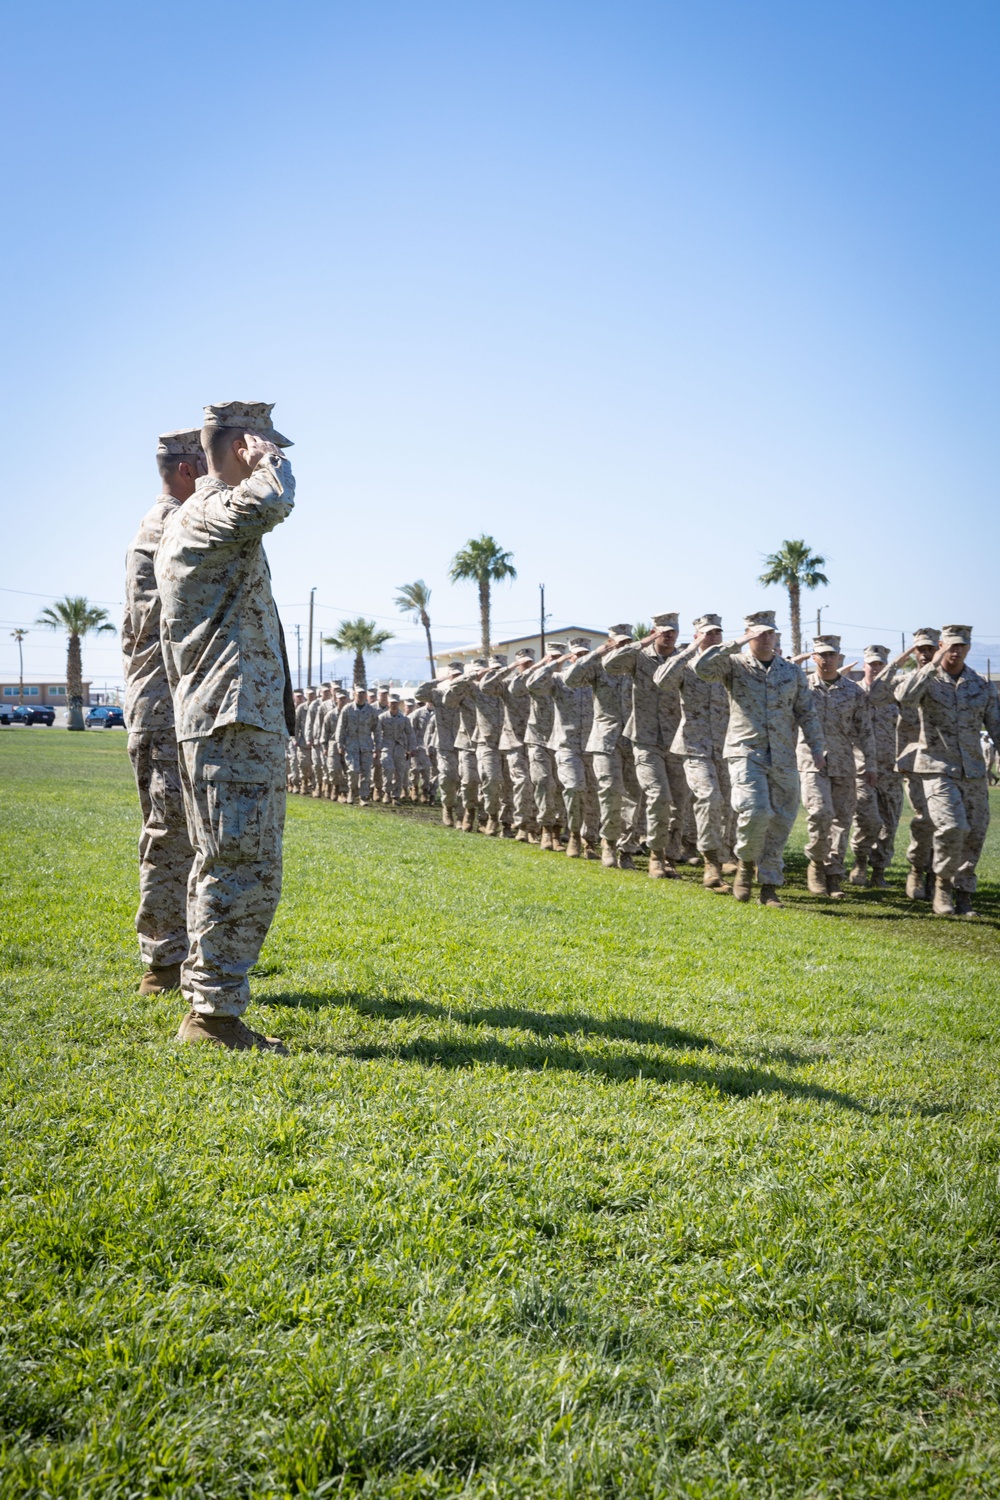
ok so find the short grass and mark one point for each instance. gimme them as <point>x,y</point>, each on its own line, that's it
<point>574,1184</point>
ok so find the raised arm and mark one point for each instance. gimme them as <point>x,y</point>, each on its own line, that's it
<point>715,664</point>
<point>669,673</point>
<point>255,506</point>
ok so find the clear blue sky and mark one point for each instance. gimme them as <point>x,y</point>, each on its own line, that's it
<point>641,289</point>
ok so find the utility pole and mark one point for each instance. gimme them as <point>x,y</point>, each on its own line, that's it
<point>309,655</point>
<point>902,640</point>
<point>819,626</point>
<point>321,656</point>
<point>541,628</point>
<point>298,653</point>
<point>18,635</point>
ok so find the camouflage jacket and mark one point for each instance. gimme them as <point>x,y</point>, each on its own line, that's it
<point>842,710</point>
<point>611,700</point>
<point>445,714</point>
<point>326,723</point>
<point>397,730</point>
<point>767,705</point>
<point>480,715</point>
<point>704,707</point>
<point>498,684</point>
<point>313,711</point>
<point>573,707</point>
<point>300,723</point>
<point>422,718</point>
<point>883,711</point>
<point>358,727</point>
<point>541,711</point>
<point>655,713</point>
<point>219,626</point>
<point>147,693</point>
<point>953,711</point>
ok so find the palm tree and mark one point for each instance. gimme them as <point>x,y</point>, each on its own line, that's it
<point>413,599</point>
<point>364,638</point>
<point>18,635</point>
<point>796,568</point>
<point>640,631</point>
<point>78,618</point>
<point>482,562</point>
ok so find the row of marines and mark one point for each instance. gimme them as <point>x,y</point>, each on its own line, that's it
<point>701,753</point>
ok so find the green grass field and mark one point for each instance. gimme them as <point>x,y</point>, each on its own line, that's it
<point>575,1184</point>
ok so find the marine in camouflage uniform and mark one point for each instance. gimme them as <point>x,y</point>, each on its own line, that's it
<point>457,695</point>
<point>573,717</point>
<point>614,774</point>
<point>398,744</point>
<point>497,683</point>
<point>830,796</point>
<point>228,672</point>
<point>955,705</point>
<point>769,703</point>
<point>165,852</point>
<point>920,849</point>
<point>292,748</point>
<point>538,729</point>
<point>445,714</point>
<point>489,721</point>
<point>879,806</point>
<point>359,740</point>
<point>700,740</point>
<point>314,748</point>
<point>652,727</point>
<point>420,716</point>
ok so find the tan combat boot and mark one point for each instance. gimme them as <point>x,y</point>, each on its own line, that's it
<point>833,886</point>
<point>743,884</point>
<point>877,880</point>
<point>492,828</point>
<point>915,885</point>
<point>729,867</point>
<point>944,905</point>
<point>859,875</point>
<point>670,870</point>
<point>545,842</point>
<point>816,879</point>
<point>159,980</point>
<point>447,817</point>
<point>557,844</point>
<point>590,849</point>
<point>712,879</point>
<point>469,821</point>
<point>657,865</point>
<point>533,835</point>
<point>227,1031</point>
<point>625,860</point>
<point>574,848</point>
<point>522,836</point>
<point>769,896</point>
<point>607,855</point>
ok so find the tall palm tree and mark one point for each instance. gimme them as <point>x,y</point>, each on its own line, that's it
<point>364,638</point>
<point>18,635</point>
<point>482,562</point>
<point>795,567</point>
<point>78,618</point>
<point>641,630</point>
<point>413,599</point>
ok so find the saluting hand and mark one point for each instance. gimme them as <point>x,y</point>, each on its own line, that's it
<point>258,447</point>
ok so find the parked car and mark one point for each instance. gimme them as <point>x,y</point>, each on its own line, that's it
<point>27,715</point>
<point>105,716</point>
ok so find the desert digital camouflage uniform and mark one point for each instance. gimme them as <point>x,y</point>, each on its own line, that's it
<point>830,796</point>
<point>700,741</point>
<point>314,748</point>
<point>768,705</point>
<point>334,780</point>
<point>224,657</point>
<point>359,740</point>
<point>879,807</point>
<point>445,726</point>
<point>949,759</point>
<point>165,852</point>
<point>303,782</point>
<point>652,727</point>
<point>481,719</point>
<point>398,743</point>
<point>573,718</point>
<point>614,775</point>
<point>545,786</point>
<point>456,695</point>
<point>421,717</point>
<point>497,683</point>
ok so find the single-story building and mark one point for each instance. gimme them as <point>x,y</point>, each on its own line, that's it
<point>507,648</point>
<point>39,694</point>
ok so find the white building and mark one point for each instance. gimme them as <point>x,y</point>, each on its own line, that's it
<point>507,648</point>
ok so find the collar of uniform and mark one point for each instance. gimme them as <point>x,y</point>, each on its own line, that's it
<point>206,482</point>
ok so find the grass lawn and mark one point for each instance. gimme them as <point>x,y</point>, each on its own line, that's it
<point>574,1184</point>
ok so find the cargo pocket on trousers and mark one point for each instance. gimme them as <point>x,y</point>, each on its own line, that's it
<point>237,815</point>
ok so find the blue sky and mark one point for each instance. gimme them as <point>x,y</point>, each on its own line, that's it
<point>640,289</point>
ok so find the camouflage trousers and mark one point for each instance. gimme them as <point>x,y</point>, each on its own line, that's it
<point>468,774</point>
<point>303,760</point>
<point>711,796</point>
<point>234,798</point>
<point>448,776</point>
<point>291,765</point>
<point>959,810</point>
<point>165,852</point>
<point>522,798</point>
<point>661,777</point>
<point>393,771</point>
<point>829,802</point>
<point>617,795</point>
<point>766,801</point>
<point>318,768</point>
<point>358,761</point>
<point>489,766</point>
<point>544,785</point>
<point>575,770</point>
<point>920,850</point>
<point>877,816</point>
<point>336,774</point>
<point>420,772</point>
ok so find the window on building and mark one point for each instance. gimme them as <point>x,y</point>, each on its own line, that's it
<point>57,690</point>
<point>15,692</point>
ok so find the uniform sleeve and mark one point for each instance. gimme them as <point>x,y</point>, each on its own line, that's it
<point>256,506</point>
<point>341,731</point>
<point>542,681</point>
<point>670,672</point>
<point>880,692</point>
<point>583,672</point>
<point>519,685</point>
<point>492,685</point>
<point>715,664</point>
<point>865,736</point>
<point>806,717</point>
<point>455,691</point>
<point>411,735</point>
<point>425,692</point>
<point>913,686</point>
<point>621,661</point>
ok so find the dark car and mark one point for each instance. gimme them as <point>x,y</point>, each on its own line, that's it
<point>42,714</point>
<point>105,716</point>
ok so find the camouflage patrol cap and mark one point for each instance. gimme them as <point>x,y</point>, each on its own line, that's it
<point>559,647</point>
<point>877,653</point>
<point>758,622</point>
<point>185,443</point>
<point>927,636</point>
<point>498,659</point>
<point>409,700</point>
<point>956,635</point>
<point>666,621</point>
<point>620,632</point>
<point>394,698</point>
<point>579,643</point>
<point>247,416</point>
<point>823,644</point>
<point>708,622</point>
<point>525,654</point>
